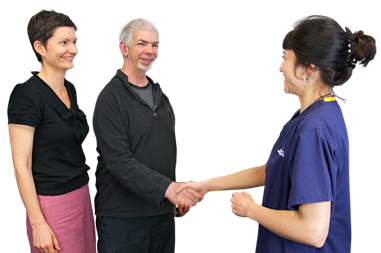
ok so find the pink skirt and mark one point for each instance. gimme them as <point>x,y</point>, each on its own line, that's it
<point>70,216</point>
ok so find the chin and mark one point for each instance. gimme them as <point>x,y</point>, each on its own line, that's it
<point>145,68</point>
<point>69,66</point>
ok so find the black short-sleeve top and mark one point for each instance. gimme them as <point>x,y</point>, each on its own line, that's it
<point>58,162</point>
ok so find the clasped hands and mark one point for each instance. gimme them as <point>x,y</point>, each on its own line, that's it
<point>190,193</point>
<point>183,198</point>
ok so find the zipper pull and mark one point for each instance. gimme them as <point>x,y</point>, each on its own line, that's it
<point>154,111</point>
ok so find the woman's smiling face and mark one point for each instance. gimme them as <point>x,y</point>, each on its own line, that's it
<point>61,49</point>
<point>292,75</point>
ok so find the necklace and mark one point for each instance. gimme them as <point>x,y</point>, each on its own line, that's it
<point>326,95</point>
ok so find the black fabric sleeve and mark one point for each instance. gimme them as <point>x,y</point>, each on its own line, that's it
<point>24,106</point>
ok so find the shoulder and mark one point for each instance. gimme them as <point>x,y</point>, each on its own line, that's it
<point>112,89</point>
<point>111,95</point>
<point>24,92</point>
<point>25,105</point>
<point>325,120</point>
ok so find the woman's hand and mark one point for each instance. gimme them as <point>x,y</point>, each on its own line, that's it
<point>198,187</point>
<point>242,204</point>
<point>44,239</point>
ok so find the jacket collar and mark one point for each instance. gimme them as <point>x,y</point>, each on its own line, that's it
<point>156,90</point>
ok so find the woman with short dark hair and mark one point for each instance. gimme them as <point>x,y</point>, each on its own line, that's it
<point>46,129</point>
<point>306,202</point>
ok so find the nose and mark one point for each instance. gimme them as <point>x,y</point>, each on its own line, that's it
<point>280,67</point>
<point>73,48</point>
<point>149,49</point>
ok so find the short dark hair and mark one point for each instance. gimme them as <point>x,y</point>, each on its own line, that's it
<point>321,41</point>
<point>42,26</point>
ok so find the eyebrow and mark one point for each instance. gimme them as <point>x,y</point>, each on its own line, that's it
<point>67,39</point>
<point>140,40</point>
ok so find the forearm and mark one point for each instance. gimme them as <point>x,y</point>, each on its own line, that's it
<point>28,195</point>
<point>253,177</point>
<point>308,225</point>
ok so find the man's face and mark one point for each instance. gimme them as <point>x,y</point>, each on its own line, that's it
<point>143,49</point>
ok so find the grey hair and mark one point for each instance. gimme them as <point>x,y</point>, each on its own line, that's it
<point>127,32</point>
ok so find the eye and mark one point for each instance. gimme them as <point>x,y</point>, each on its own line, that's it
<point>63,42</point>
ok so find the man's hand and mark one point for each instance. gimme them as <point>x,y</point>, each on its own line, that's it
<point>187,198</point>
<point>242,204</point>
<point>181,211</point>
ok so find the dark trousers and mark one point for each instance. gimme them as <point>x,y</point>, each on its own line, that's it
<point>154,234</point>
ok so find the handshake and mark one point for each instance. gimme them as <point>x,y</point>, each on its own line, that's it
<point>184,196</point>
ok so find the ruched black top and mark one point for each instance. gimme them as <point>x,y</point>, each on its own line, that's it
<point>58,161</point>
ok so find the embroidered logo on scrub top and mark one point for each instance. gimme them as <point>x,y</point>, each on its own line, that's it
<point>281,152</point>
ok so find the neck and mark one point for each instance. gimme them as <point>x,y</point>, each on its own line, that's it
<point>55,79</point>
<point>308,98</point>
<point>135,75</point>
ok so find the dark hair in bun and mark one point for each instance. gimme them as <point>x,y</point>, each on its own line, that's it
<point>321,41</point>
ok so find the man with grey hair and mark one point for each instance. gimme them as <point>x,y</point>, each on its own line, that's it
<point>135,129</point>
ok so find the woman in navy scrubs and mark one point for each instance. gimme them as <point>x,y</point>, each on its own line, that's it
<point>306,202</point>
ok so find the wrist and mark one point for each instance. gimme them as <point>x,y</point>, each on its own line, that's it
<point>253,211</point>
<point>167,191</point>
<point>206,185</point>
<point>170,190</point>
<point>36,222</point>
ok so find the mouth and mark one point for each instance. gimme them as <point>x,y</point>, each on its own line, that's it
<point>68,58</point>
<point>147,60</point>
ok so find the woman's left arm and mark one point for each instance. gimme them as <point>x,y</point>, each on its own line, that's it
<point>308,225</point>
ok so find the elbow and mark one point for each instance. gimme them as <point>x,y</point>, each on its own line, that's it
<point>319,242</point>
<point>318,238</point>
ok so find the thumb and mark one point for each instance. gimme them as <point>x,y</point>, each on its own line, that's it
<point>181,188</point>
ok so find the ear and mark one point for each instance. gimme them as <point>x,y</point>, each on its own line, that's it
<point>37,45</point>
<point>310,68</point>
<point>123,49</point>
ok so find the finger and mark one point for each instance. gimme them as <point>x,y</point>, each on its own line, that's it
<point>51,250</point>
<point>55,243</point>
<point>180,212</point>
<point>194,194</point>
<point>188,198</point>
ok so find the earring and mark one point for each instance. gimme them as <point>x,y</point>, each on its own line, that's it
<point>304,77</point>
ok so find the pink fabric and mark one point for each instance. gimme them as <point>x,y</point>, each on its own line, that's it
<point>70,216</point>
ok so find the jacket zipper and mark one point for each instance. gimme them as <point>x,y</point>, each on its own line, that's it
<point>155,104</point>
<point>154,112</point>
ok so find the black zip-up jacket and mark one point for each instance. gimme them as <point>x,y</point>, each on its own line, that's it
<point>137,151</point>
